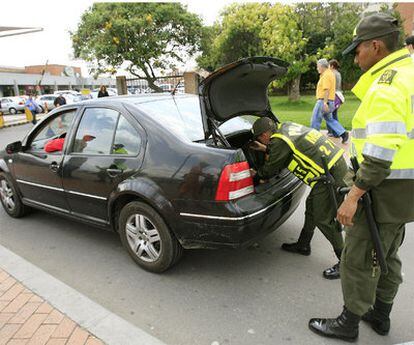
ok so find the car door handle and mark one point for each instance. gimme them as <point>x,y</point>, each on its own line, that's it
<point>54,167</point>
<point>114,172</point>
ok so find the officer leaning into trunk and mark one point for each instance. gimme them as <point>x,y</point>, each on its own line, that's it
<point>300,149</point>
<point>383,137</point>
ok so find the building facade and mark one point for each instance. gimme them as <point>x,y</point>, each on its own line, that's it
<point>406,10</point>
<point>15,81</point>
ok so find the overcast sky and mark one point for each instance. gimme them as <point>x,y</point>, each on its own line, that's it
<point>58,17</point>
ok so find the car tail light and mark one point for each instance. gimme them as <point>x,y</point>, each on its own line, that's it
<point>21,103</point>
<point>235,182</point>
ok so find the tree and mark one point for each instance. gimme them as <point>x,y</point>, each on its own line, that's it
<point>284,38</point>
<point>298,33</point>
<point>235,36</point>
<point>146,36</point>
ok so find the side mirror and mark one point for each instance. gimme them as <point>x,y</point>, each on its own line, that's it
<point>14,147</point>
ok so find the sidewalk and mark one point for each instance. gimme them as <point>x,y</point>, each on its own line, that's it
<point>27,319</point>
<point>38,309</point>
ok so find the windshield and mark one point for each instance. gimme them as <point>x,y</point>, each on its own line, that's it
<point>182,115</point>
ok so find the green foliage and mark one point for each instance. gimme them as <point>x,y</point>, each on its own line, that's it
<point>147,35</point>
<point>298,33</point>
<point>283,37</point>
<point>235,37</point>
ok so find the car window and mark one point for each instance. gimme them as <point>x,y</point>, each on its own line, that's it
<point>235,124</point>
<point>96,131</point>
<point>54,128</point>
<point>127,140</point>
<point>181,116</point>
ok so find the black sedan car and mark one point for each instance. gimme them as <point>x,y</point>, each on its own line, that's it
<point>165,171</point>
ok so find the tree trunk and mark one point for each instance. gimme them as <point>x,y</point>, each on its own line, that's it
<point>294,90</point>
<point>153,86</point>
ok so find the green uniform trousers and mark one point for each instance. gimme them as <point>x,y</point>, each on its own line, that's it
<point>361,276</point>
<point>320,212</point>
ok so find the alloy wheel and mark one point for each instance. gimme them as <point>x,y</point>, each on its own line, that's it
<point>143,238</point>
<point>7,196</point>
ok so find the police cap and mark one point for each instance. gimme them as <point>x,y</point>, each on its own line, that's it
<point>370,27</point>
<point>262,125</point>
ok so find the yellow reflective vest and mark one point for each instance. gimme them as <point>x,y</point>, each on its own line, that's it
<point>308,146</point>
<point>383,126</point>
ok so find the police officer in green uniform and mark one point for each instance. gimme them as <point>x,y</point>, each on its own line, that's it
<point>383,138</point>
<point>299,148</point>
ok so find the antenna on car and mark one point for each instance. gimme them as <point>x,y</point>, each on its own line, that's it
<point>175,88</point>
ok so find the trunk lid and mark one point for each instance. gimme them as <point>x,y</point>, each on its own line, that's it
<point>239,88</point>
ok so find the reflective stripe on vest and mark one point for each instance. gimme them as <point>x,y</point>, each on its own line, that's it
<point>381,128</point>
<point>401,174</point>
<point>379,152</point>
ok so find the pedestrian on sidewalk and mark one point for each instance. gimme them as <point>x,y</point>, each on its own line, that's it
<point>103,92</point>
<point>32,105</point>
<point>339,97</point>
<point>325,97</point>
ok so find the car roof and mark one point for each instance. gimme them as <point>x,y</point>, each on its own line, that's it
<point>132,99</point>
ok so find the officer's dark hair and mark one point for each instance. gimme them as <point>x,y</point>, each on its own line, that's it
<point>409,40</point>
<point>391,41</point>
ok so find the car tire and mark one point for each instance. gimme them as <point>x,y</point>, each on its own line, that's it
<point>10,199</point>
<point>147,238</point>
<point>13,111</point>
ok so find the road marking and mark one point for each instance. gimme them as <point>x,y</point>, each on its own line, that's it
<point>102,323</point>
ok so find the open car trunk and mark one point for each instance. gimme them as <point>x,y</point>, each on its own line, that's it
<point>240,139</point>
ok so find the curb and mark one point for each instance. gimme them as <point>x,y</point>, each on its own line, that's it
<point>105,325</point>
<point>15,124</point>
<point>21,122</point>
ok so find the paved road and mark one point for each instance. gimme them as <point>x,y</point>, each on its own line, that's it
<point>257,296</point>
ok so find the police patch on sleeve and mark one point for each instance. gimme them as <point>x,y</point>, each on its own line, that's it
<point>387,77</point>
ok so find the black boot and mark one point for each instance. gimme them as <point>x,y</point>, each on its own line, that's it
<point>332,272</point>
<point>379,317</point>
<point>344,327</point>
<point>297,248</point>
<point>302,246</point>
<point>345,137</point>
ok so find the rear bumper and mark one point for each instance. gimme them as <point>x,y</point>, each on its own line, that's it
<point>235,231</point>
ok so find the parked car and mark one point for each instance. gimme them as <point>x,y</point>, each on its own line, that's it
<point>46,101</point>
<point>166,87</point>
<point>64,92</point>
<point>12,105</point>
<point>161,170</point>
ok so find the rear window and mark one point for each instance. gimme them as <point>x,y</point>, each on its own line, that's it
<point>183,117</point>
<point>180,115</point>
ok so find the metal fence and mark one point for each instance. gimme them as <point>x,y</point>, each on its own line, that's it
<point>167,84</point>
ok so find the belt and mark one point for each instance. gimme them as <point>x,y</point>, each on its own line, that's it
<point>329,100</point>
